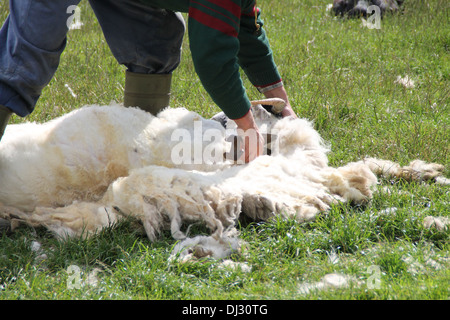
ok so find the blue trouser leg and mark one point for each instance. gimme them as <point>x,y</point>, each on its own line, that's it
<point>144,39</point>
<point>31,42</point>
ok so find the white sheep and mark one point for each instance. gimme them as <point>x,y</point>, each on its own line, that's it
<point>85,170</point>
<point>77,156</point>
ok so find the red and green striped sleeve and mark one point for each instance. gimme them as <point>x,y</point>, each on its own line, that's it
<point>255,55</point>
<point>213,28</point>
<point>223,36</point>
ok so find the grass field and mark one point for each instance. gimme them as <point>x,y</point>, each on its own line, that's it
<point>338,74</point>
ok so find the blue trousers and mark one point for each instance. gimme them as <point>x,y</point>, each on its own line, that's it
<point>144,39</point>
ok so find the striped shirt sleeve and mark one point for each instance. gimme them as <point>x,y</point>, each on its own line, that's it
<point>213,37</point>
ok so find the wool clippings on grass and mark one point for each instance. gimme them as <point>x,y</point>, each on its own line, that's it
<point>329,281</point>
<point>405,81</point>
<point>36,247</point>
<point>203,247</point>
<point>235,266</point>
<point>200,247</point>
<point>389,211</point>
<point>430,261</point>
<point>439,223</point>
<point>442,180</point>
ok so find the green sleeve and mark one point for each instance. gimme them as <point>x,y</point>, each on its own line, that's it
<point>214,46</point>
<point>255,54</point>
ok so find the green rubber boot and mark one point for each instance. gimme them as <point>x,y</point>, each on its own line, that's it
<point>5,114</point>
<point>149,92</point>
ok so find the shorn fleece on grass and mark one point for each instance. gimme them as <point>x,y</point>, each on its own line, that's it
<point>91,167</point>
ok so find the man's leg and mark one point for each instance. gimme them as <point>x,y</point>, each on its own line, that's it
<point>148,42</point>
<point>31,42</point>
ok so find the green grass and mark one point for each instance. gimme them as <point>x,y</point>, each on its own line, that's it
<point>341,76</point>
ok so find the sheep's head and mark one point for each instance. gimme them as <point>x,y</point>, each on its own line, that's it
<point>290,137</point>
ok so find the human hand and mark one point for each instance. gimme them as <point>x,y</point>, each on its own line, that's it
<point>251,142</point>
<point>280,92</point>
<point>288,112</point>
<point>253,145</point>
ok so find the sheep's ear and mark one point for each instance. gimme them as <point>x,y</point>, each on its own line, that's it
<point>271,110</point>
<point>221,118</point>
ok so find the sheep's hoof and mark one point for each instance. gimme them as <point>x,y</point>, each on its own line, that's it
<point>5,226</point>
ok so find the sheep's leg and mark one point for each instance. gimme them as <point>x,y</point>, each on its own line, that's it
<point>417,170</point>
<point>305,208</point>
<point>423,171</point>
<point>175,225</point>
<point>150,222</point>
<point>77,219</point>
<point>352,182</point>
<point>153,211</point>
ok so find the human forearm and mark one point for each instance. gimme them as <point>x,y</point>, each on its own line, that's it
<point>281,93</point>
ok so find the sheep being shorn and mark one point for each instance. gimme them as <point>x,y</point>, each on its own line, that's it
<point>94,166</point>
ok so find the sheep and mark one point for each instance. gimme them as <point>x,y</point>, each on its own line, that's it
<point>58,162</point>
<point>77,156</point>
<point>99,164</point>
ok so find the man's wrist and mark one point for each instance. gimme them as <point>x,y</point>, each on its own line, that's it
<point>246,122</point>
<point>280,92</point>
